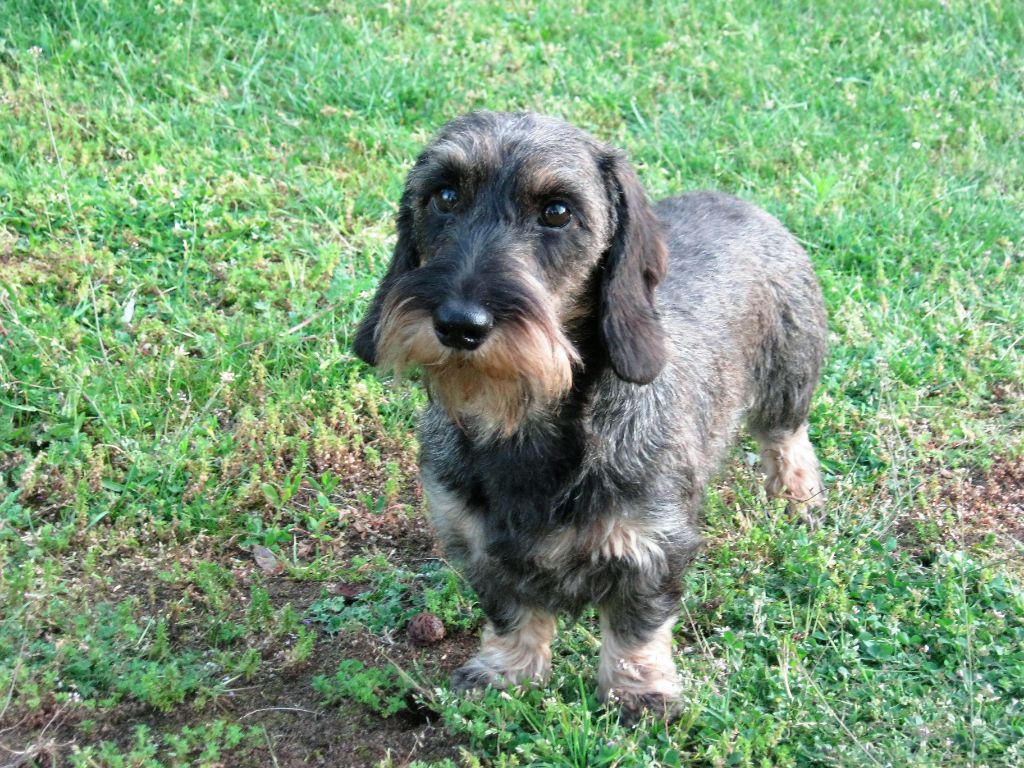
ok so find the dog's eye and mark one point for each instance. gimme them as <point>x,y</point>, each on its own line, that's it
<point>445,199</point>
<point>556,214</point>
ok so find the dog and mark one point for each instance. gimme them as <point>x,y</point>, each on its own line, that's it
<point>589,359</point>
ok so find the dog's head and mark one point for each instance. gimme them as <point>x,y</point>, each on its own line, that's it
<point>513,230</point>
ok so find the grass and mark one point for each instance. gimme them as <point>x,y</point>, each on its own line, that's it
<point>195,198</point>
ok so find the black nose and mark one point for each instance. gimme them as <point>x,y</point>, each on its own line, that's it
<point>462,324</point>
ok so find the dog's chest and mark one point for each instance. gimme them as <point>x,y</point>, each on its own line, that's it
<point>525,488</point>
<point>539,517</point>
<point>515,489</point>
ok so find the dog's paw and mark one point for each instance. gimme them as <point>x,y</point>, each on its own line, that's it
<point>473,676</point>
<point>480,673</point>
<point>809,512</point>
<point>633,707</point>
<point>470,677</point>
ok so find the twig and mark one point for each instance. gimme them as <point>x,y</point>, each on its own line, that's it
<point>828,707</point>
<point>279,709</point>
<point>312,318</point>
<point>14,679</point>
<point>270,748</point>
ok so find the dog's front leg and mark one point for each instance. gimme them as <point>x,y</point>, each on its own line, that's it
<point>512,652</point>
<point>636,667</point>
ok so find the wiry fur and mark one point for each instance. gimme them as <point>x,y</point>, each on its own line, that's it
<point>521,368</point>
<point>565,460</point>
<point>639,674</point>
<point>521,653</point>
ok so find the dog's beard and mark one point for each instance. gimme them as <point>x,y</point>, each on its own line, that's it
<point>521,368</point>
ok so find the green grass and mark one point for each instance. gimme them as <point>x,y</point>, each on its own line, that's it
<point>195,198</point>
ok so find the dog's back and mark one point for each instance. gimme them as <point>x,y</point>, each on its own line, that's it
<point>746,326</point>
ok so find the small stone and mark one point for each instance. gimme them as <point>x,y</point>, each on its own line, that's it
<point>425,629</point>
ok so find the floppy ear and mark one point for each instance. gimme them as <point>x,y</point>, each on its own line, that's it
<point>404,259</point>
<point>633,265</point>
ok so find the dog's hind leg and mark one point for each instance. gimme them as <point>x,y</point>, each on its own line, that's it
<point>790,465</point>
<point>787,366</point>
<point>779,425</point>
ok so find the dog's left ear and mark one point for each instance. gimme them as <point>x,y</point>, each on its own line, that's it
<point>633,266</point>
<point>404,259</point>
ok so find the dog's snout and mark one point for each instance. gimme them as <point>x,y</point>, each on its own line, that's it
<point>462,324</point>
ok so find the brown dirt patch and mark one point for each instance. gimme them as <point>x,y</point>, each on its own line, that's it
<point>351,735</point>
<point>992,501</point>
<point>971,505</point>
<point>300,729</point>
<point>303,731</point>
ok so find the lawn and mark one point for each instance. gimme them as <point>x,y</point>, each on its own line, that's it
<point>211,534</point>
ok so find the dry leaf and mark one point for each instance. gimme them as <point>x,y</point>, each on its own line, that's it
<point>350,592</point>
<point>267,560</point>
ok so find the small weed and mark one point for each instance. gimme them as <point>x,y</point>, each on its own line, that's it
<point>204,746</point>
<point>396,595</point>
<point>445,594</point>
<point>302,648</point>
<point>388,605</point>
<point>114,658</point>
<point>260,612</point>
<point>383,690</point>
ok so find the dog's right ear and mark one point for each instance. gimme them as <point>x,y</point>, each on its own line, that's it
<point>404,259</point>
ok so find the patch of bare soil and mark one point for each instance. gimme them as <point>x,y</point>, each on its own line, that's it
<point>992,501</point>
<point>351,735</point>
<point>971,505</point>
<point>304,732</point>
<point>300,729</point>
<point>402,535</point>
